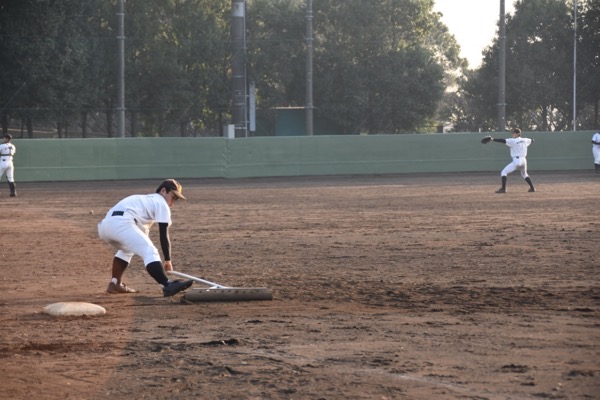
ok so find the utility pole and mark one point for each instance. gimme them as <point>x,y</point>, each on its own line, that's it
<point>502,71</point>
<point>575,66</point>
<point>309,69</point>
<point>121,69</point>
<point>238,68</point>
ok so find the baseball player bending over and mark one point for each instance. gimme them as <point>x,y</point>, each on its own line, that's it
<point>126,227</point>
<point>518,151</point>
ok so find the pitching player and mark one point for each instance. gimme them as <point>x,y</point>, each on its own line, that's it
<point>596,151</point>
<point>7,151</point>
<point>126,227</point>
<point>518,151</point>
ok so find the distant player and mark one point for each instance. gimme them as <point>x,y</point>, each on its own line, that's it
<point>596,151</point>
<point>7,151</point>
<point>126,227</point>
<point>518,151</point>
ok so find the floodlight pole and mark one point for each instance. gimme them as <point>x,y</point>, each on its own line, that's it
<point>309,69</point>
<point>238,68</point>
<point>575,65</point>
<point>502,71</point>
<point>121,69</point>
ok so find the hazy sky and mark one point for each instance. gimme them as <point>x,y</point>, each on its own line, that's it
<point>473,23</point>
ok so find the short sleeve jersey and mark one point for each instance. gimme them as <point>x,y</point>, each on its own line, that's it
<point>518,146</point>
<point>7,149</point>
<point>596,138</point>
<point>146,209</point>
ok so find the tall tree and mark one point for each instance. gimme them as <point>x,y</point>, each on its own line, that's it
<point>49,58</point>
<point>588,54</point>
<point>30,59</point>
<point>177,63</point>
<point>539,50</point>
<point>379,67</point>
<point>276,53</point>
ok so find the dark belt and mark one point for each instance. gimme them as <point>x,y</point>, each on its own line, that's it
<point>120,214</point>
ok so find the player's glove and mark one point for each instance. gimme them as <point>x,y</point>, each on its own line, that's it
<point>487,139</point>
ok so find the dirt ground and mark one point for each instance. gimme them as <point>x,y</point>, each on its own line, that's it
<point>385,287</point>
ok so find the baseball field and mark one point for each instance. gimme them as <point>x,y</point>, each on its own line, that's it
<point>424,286</point>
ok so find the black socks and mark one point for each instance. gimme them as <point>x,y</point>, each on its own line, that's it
<point>528,180</point>
<point>157,271</point>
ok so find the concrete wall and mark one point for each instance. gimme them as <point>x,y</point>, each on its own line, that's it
<point>144,158</point>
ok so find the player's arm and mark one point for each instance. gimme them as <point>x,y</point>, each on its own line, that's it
<point>165,243</point>
<point>499,140</point>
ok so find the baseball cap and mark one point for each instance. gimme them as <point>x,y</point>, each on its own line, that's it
<point>172,186</point>
<point>8,136</point>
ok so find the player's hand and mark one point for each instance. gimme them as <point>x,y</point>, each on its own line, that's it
<point>168,266</point>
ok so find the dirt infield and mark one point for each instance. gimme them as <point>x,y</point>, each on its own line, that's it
<point>385,287</point>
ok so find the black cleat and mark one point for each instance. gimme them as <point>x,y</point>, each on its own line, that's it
<point>531,190</point>
<point>501,190</point>
<point>175,287</point>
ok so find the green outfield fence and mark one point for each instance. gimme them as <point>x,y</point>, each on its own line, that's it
<point>144,158</point>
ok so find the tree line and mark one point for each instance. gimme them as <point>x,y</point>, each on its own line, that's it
<point>383,67</point>
<point>540,50</point>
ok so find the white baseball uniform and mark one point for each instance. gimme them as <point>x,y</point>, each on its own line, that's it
<point>7,151</point>
<point>126,226</point>
<point>518,152</point>
<point>596,148</point>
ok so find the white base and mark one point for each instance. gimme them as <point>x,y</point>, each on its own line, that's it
<point>74,308</point>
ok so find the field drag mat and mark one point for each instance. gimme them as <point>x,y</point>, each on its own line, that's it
<point>227,294</point>
<point>217,292</point>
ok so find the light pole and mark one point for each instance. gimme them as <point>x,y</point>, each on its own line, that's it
<point>575,65</point>
<point>238,68</point>
<point>121,69</point>
<point>309,69</point>
<point>502,71</point>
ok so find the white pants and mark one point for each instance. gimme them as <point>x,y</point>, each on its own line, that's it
<point>128,238</point>
<point>518,163</point>
<point>595,152</point>
<point>7,166</point>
